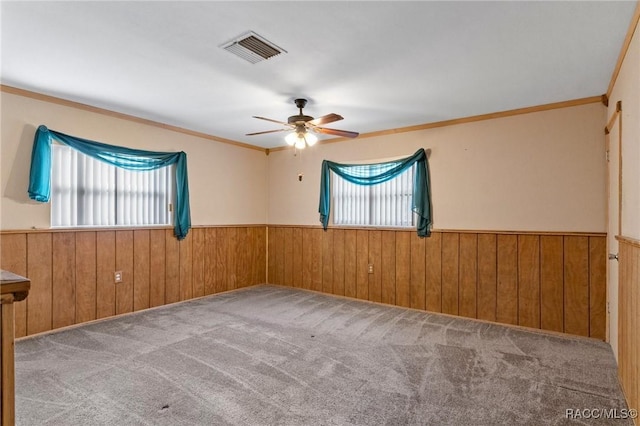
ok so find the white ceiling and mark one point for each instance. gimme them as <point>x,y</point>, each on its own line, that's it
<point>381,65</point>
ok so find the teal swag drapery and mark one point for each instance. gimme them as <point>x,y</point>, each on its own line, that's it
<point>126,158</point>
<point>371,174</point>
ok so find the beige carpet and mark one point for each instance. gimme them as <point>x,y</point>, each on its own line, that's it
<point>271,355</point>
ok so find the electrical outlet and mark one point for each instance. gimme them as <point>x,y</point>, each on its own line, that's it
<point>371,268</point>
<point>117,276</point>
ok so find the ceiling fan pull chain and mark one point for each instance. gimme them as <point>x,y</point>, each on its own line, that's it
<point>298,153</point>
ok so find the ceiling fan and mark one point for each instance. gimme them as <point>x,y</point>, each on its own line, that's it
<point>301,124</point>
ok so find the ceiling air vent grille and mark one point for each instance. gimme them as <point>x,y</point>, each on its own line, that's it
<point>253,48</point>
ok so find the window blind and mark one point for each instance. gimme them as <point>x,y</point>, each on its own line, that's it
<point>88,192</point>
<point>384,204</point>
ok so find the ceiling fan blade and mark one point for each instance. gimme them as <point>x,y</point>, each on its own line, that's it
<point>272,120</point>
<point>267,131</point>
<point>336,132</point>
<point>329,118</point>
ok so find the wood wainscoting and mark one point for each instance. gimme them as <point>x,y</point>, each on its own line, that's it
<point>549,281</point>
<point>72,271</point>
<point>629,319</point>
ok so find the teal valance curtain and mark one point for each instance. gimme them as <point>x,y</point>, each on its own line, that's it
<point>126,158</point>
<point>371,174</point>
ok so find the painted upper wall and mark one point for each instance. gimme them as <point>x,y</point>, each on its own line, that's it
<point>541,171</point>
<point>627,90</point>
<point>226,182</point>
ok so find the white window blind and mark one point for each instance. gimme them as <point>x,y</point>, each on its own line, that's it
<point>88,192</point>
<point>384,204</point>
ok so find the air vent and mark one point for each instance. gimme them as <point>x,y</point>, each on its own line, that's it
<point>253,48</point>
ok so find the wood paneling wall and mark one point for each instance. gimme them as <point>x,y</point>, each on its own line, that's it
<point>547,281</point>
<point>629,320</point>
<point>72,272</point>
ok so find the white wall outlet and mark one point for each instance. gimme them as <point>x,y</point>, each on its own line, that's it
<point>117,276</point>
<point>370,270</point>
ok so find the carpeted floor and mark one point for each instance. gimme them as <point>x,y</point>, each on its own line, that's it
<point>271,355</point>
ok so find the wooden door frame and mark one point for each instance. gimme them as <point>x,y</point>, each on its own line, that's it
<point>617,115</point>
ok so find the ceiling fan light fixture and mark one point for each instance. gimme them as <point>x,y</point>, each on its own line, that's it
<point>311,139</point>
<point>300,127</point>
<point>291,138</point>
<point>301,139</point>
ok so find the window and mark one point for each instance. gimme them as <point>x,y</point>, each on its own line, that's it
<point>382,205</point>
<point>88,192</point>
<point>385,204</point>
